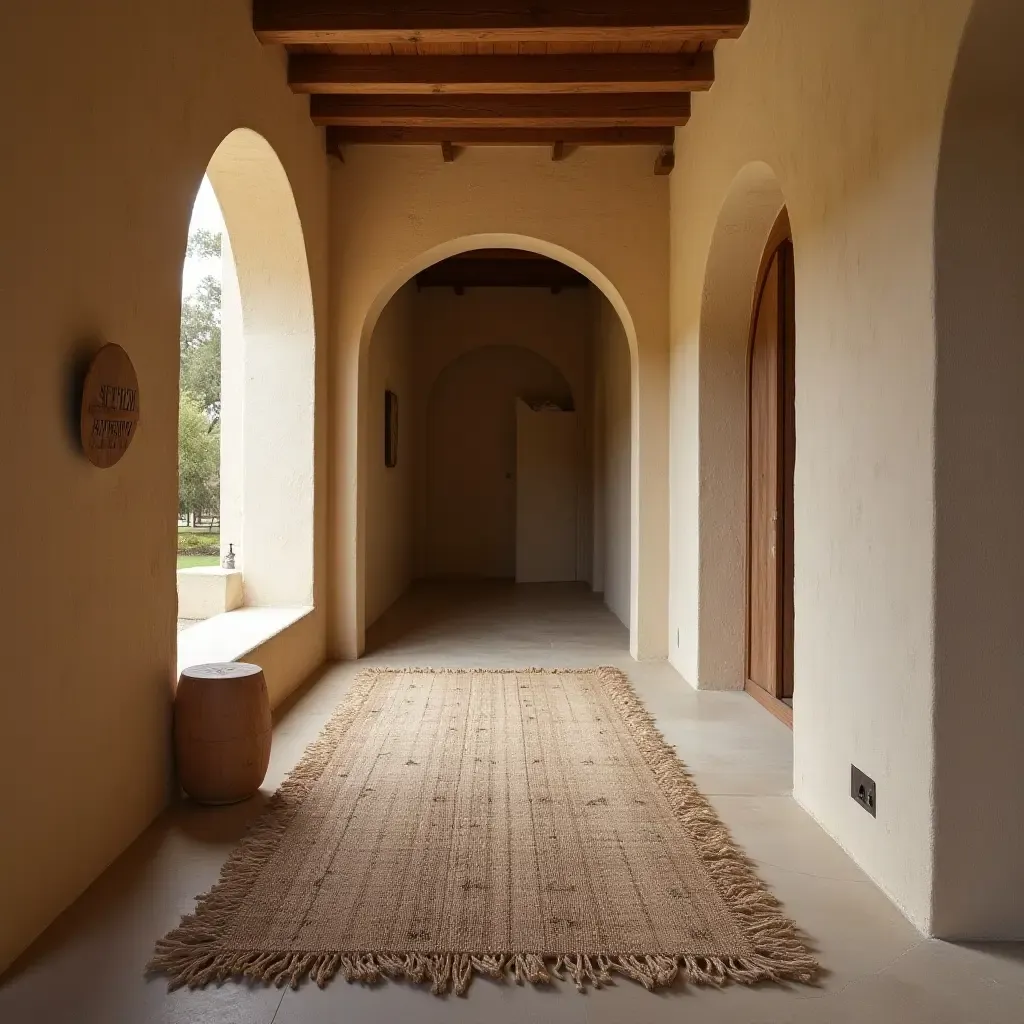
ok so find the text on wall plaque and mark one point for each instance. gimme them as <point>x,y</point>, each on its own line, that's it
<point>110,406</point>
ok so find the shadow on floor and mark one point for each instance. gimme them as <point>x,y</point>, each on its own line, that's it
<point>496,615</point>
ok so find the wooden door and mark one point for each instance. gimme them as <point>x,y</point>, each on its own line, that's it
<point>771,441</point>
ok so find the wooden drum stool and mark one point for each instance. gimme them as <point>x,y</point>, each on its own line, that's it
<point>222,731</point>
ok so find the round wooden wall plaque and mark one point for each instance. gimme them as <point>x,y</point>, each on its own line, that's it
<point>110,407</point>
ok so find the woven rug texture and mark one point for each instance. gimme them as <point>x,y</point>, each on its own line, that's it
<point>530,825</point>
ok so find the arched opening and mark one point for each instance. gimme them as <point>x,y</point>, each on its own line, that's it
<point>505,368</point>
<point>264,409</point>
<point>979,486</point>
<point>738,261</point>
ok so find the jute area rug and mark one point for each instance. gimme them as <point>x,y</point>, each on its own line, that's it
<point>515,824</point>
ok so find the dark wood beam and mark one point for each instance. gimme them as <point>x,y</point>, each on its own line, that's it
<point>637,110</point>
<point>666,162</point>
<point>499,136</point>
<point>561,73</point>
<point>477,21</point>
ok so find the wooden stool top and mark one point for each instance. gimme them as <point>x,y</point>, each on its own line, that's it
<point>222,670</point>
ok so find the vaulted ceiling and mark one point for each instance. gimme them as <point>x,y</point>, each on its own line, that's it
<point>501,72</point>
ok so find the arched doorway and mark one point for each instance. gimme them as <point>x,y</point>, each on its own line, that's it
<point>611,322</point>
<point>514,439</point>
<point>739,258</point>
<point>770,461</point>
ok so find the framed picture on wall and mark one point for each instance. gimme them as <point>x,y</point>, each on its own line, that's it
<point>390,429</point>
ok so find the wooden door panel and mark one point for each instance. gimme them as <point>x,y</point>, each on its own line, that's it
<point>787,319</point>
<point>765,478</point>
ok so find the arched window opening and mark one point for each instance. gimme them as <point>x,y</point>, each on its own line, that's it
<point>246,399</point>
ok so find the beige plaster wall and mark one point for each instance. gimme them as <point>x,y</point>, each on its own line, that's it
<point>557,327</point>
<point>390,533</point>
<point>844,103</point>
<point>92,251</point>
<point>979,292</point>
<point>469,459</point>
<point>612,475</point>
<point>290,658</point>
<point>397,210</point>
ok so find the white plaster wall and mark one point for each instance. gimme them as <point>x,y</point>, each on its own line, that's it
<point>92,251</point>
<point>271,271</point>
<point>612,491</point>
<point>207,591</point>
<point>845,103</point>
<point>396,210</point>
<point>391,491</point>
<point>232,406</point>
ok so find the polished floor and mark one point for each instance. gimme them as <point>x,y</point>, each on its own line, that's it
<point>88,968</point>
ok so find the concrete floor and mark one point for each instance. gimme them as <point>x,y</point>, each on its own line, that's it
<point>87,969</point>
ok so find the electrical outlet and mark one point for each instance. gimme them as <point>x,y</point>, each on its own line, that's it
<point>862,789</point>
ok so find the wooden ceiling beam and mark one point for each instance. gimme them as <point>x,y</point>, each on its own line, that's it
<point>666,162</point>
<point>634,110</point>
<point>561,73</point>
<point>477,21</point>
<point>548,137</point>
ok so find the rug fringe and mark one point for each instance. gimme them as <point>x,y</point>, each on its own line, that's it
<point>780,952</point>
<point>452,973</point>
<point>192,954</point>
